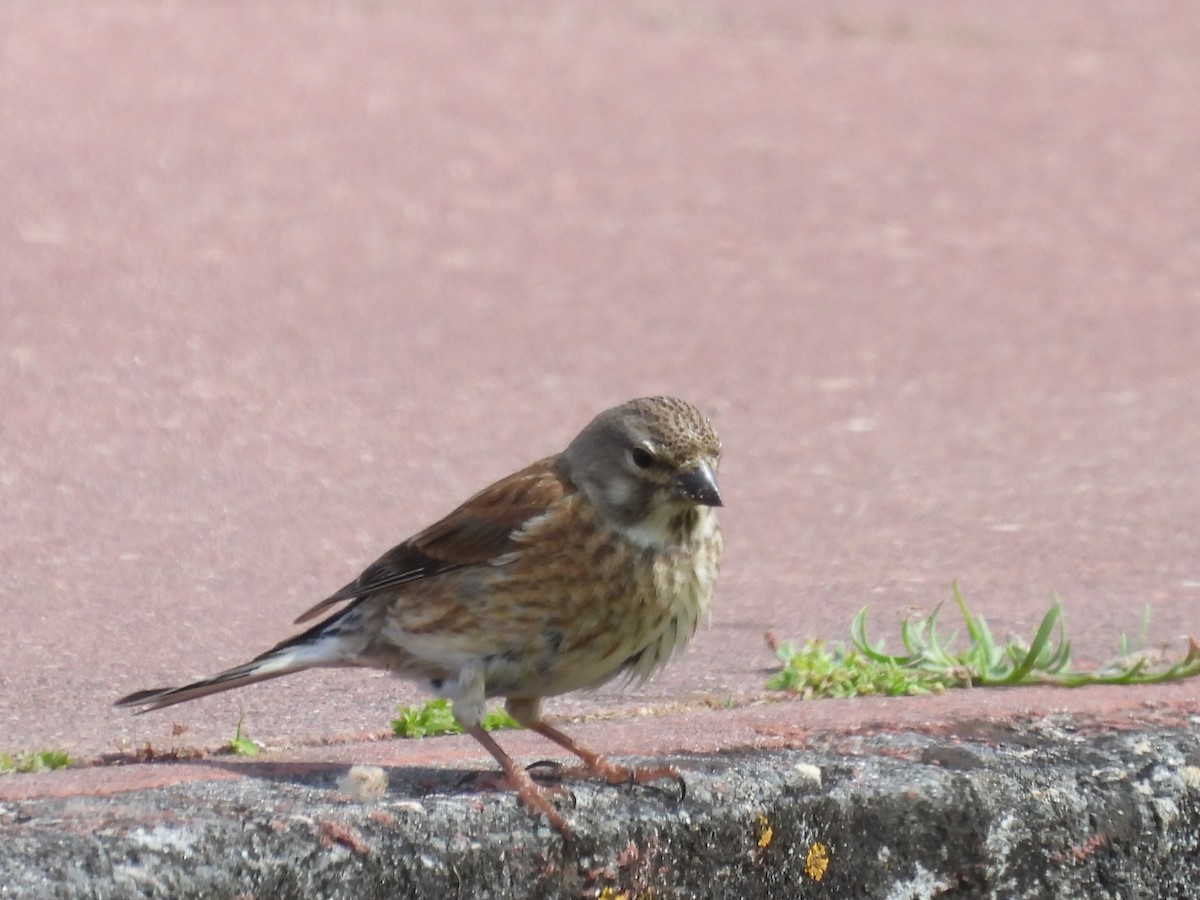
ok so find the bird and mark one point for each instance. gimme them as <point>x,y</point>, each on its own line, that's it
<point>590,565</point>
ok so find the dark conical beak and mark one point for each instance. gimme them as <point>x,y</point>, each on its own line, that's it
<point>699,485</point>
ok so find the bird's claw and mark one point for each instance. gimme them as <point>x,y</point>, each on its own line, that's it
<point>647,777</point>
<point>552,764</point>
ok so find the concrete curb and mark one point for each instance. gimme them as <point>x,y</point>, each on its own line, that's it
<point>1028,811</point>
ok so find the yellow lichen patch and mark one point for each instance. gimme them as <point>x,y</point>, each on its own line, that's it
<point>610,894</point>
<point>765,832</point>
<point>817,861</point>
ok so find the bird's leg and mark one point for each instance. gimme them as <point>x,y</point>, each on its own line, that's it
<point>528,713</point>
<point>531,795</point>
<point>595,764</point>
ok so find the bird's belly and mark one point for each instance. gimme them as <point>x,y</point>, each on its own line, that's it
<point>562,621</point>
<point>594,640</point>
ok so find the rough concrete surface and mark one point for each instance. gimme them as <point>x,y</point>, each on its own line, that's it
<point>1050,810</point>
<point>278,290</point>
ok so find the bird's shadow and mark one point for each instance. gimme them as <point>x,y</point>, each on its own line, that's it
<point>416,782</point>
<point>403,782</point>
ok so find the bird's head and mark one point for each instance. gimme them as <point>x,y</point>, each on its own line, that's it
<point>646,460</point>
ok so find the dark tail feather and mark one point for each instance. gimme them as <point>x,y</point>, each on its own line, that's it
<point>305,651</point>
<point>158,698</point>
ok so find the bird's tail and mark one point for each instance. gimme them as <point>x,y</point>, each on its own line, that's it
<point>320,646</point>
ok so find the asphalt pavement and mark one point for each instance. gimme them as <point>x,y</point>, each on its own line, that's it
<point>280,286</point>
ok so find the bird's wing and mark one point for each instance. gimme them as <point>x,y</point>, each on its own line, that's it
<point>478,532</point>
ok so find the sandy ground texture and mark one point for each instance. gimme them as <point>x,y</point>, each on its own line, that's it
<point>278,287</point>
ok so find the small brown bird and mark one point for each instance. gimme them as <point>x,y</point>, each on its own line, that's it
<point>591,564</point>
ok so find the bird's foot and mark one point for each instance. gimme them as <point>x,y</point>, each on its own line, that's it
<point>613,773</point>
<point>547,782</point>
<point>519,780</point>
<point>537,799</point>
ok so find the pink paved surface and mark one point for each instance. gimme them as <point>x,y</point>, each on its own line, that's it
<point>278,287</point>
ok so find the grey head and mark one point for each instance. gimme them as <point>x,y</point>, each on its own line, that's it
<point>645,460</point>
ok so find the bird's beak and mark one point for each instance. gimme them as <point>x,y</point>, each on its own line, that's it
<point>699,485</point>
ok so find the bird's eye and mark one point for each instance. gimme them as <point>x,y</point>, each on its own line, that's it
<point>642,458</point>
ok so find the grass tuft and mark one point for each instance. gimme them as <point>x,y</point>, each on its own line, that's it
<point>241,744</point>
<point>934,660</point>
<point>818,668</point>
<point>33,761</point>
<point>435,718</point>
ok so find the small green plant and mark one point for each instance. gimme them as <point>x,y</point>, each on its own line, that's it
<point>435,718</point>
<point>934,661</point>
<point>983,661</point>
<point>1044,660</point>
<point>241,745</point>
<point>818,668</point>
<point>33,761</point>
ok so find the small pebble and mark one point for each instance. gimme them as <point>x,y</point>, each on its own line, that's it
<point>364,783</point>
<point>809,773</point>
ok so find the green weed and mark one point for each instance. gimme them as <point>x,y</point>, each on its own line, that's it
<point>434,718</point>
<point>933,661</point>
<point>33,761</point>
<point>241,745</point>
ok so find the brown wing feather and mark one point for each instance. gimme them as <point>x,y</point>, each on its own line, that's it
<point>479,531</point>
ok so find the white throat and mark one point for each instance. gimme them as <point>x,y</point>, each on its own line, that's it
<point>654,532</point>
